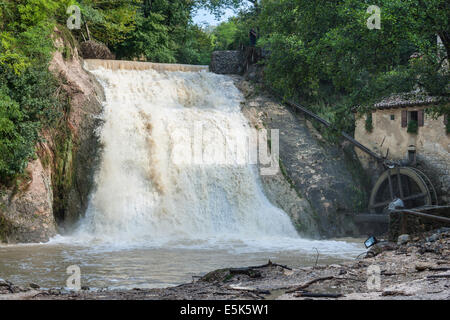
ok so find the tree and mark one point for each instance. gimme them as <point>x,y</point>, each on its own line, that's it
<point>323,52</point>
<point>27,101</point>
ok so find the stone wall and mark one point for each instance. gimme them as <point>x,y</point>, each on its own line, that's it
<point>432,144</point>
<point>227,62</point>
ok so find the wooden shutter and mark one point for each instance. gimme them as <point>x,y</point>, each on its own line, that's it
<point>420,118</point>
<point>404,118</point>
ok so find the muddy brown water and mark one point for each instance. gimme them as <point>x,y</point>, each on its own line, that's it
<point>152,266</point>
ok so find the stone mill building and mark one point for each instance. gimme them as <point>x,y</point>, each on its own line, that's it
<point>401,129</point>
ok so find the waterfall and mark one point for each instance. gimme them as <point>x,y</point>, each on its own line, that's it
<point>150,185</point>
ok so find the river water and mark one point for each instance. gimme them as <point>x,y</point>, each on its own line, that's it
<point>174,197</point>
<point>103,266</point>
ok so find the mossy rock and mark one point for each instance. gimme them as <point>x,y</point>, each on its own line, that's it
<point>6,228</point>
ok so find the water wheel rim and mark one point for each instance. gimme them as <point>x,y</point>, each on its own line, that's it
<point>433,193</point>
<point>404,171</point>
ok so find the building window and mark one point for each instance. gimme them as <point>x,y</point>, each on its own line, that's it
<point>413,124</point>
<point>412,120</point>
<point>413,116</point>
<point>392,117</point>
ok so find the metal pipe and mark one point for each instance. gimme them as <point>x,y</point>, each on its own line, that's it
<point>423,215</point>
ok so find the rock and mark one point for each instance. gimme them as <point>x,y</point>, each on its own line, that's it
<point>327,177</point>
<point>394,293</point>
<point>28,211</point>
<point>255,73</point>
<point>227,62</point>
<point>34,286</point>
<point>422,266</point>
<point>411,249</point>
<point>403,239</point>
<point>4,283</point>
<point>95,50</point>
<point>433,237</point>
<point>58,183</point>
<point>373,251</point>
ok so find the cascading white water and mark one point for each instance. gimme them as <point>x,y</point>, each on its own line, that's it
<point>158,214</point>
<point>144,191</point>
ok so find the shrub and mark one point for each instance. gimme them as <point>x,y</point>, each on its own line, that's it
<point>27,103</point>
<point>369,122</point>
<point>413,126</point>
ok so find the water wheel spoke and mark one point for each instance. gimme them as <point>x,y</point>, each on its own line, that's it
<point>391,187</point>
<point>415,196</point>
<point>399,180</point>
<point>409,198</point>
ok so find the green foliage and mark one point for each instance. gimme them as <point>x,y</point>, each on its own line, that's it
<point>109,22</point>
<point>197,47</point>
<point>27,88</point>
<point>369,122</point>
<point>234,33</point>
<point>155,30</point>
<point>150,40</point>
<point>27,103</point>
<point>225,35</point>
<point>413,126</point>
<point>152,30</point>
<point>321,52</point>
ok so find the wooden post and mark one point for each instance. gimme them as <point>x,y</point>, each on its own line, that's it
<point>403,223</point>
<point>391,188</point>
<point>87,30</point>
<point>399,180</point>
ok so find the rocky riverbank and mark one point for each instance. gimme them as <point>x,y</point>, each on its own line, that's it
<point>53,192</point>
<point>417,268</point>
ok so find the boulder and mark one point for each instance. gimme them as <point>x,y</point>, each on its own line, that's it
<point>403,239</point>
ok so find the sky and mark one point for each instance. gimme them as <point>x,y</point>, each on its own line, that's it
<point>203,17</point>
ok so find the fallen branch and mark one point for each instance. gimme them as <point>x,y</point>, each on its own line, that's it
<point>317,258</point>
<point>247,271</point>
<point>271,264</point>
<point>349,279</point>
<point>395,293</point>
<point>307,284</point>
<point>318,295</point>
<point>438,276</point>
<point>439,269</point>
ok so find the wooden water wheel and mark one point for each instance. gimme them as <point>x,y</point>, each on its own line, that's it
<point>405,183</point>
